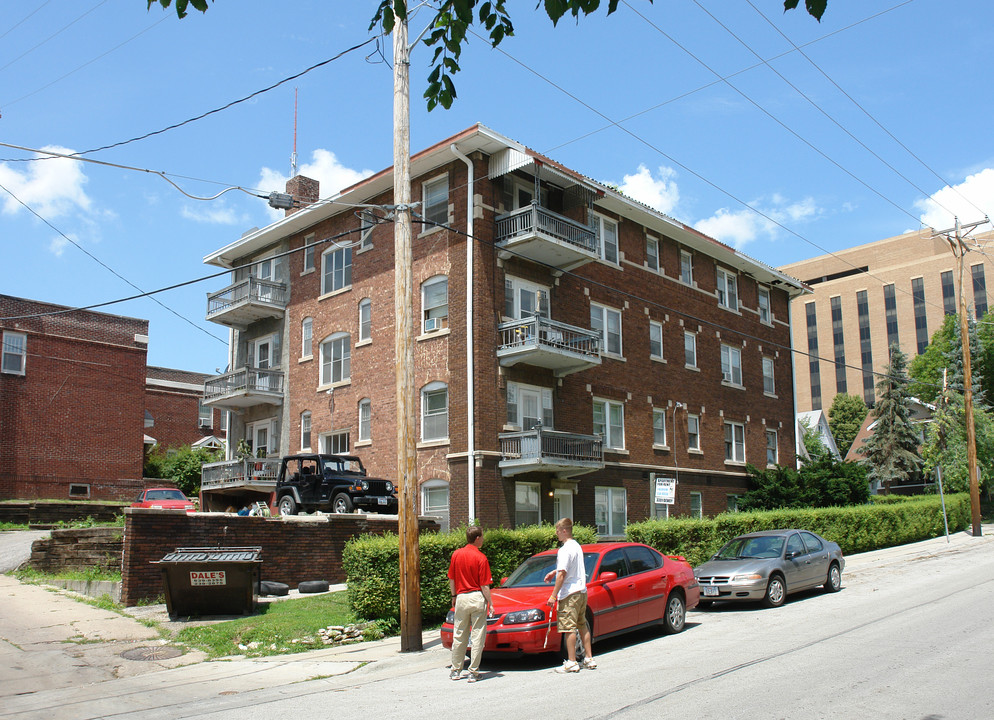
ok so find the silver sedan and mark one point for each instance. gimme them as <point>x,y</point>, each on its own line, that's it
<point>768,565</point>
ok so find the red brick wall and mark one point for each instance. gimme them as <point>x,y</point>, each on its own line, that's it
<point>175,413</point>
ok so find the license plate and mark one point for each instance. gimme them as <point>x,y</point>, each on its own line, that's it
<point>381,501</point>
<point>709,591</point>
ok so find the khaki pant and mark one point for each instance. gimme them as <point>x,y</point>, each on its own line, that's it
<point>471,612</point>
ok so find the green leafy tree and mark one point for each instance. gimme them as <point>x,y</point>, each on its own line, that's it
<point>845,418</point>
<point>891,452</point>
<point>181,465</point>
<point>822,482</point>
<point>926,369</point>
<point>945,444</point>
<point>813,445</point>
<point>450,29</point>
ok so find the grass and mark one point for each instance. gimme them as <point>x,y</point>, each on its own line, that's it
<point>90,574</point>
<point>87,522</point>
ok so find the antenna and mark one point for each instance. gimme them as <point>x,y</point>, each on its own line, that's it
<point>293,155</point>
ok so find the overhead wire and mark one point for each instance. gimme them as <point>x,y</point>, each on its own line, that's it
<point>52,36</point>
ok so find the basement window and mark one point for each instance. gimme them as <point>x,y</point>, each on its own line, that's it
<point>79,491</point>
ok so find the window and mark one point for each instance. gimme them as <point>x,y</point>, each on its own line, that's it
<point>367,221</point>
<point>436,202</point>
<point>435,411</point>
<point>948,292</point>
<point>732,503</point>
<point>865,346</point>
<point>610,511</point>
<point>655,340</point>
<point>814,368</point>
<point>435,303</point>
<point>305,430</point>
<point>365,319</point>
<point>765,315</point>
<point>609,422</point>
<point>608,323</point>
<point>307,338</point>
<point>365,420</point>
<point>696,505</point>
<point>435,502</point>
<point>528,406</point>
<point>658,427</point>
<point>734,442</point>
<point>309,253</point>
<point>839,345</point>
<point>979,290</point>
<point>606,232</point>
<point>731,365</point>
<point>728,296</point>
<point>772,456</point>
<point>690,349</point>
<point>890,315</point>
<point>769,386</point>
<point>562,504</point>
<point>15,353</point>
<point>652,254</point>
<point>336,269</point>
<point>261,438</point>
<point>921,318</point>
<point>657,510</point>
<point>693,432</point>
<point>526,504</point>
<point>811,542</point>
<point>686,267</point>
<point>336,443</point>
<point>205,415</point>
<point>336,359</point>
<point>523,299</point>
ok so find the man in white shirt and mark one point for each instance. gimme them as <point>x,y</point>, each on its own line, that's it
<point>570,592</point>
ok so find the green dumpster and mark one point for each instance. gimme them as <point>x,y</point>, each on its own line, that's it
<point>211,581</point>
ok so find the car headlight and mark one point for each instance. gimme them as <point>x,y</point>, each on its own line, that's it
<point>365,486</point>
<point>746,578</point>
<point>389,487</point>
<point>524,616</point>
<point>450,617</point>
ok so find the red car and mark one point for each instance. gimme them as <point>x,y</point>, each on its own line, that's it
<point>629,586</point>
<point>164,499</point>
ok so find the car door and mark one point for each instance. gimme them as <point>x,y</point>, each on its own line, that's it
<point>620,609</point>
<point>651,582</point>
<point>795,564</point>
<point>818,558</point>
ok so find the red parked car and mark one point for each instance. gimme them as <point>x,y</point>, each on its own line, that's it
<point>164,499</point>
<point>629,586</point>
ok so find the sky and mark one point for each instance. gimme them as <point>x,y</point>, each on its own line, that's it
<point>779,135</point>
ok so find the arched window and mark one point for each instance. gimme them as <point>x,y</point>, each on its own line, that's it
<point>365,420</point>
<point>336,359</point>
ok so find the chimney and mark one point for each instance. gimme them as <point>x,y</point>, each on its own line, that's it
<point>304,190</point>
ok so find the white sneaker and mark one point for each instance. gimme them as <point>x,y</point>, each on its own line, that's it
<point>589,664</point>
<point>455,674</point>
<point>569,667</point>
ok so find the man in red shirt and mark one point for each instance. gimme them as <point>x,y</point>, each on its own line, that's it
<point>469,583</point>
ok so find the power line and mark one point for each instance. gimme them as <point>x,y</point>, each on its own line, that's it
<point>52,36</point>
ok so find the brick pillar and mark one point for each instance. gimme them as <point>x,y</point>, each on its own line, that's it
<point>304,190</point>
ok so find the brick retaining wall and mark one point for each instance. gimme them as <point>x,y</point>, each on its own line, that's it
<point>79,549</point>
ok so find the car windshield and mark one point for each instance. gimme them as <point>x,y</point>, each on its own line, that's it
<point>532,572</point>
<point>751,547</point>
<point>164,495</point>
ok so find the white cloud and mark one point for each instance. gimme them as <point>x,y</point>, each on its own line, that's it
<point>58,246</point>
<point>660,193</point>
<point>324,167</point>
<point>961,201</point>
<point>740,227</point>
<point>214,213</point>
<point>52,187</point>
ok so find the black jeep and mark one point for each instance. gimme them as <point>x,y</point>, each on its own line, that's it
<point>330,483</point>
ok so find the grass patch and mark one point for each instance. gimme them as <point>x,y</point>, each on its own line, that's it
<point>91,574</point>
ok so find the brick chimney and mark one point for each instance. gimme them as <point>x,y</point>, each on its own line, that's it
<point>304,190</point>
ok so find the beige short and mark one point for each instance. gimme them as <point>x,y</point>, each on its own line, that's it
<point>572,613</point>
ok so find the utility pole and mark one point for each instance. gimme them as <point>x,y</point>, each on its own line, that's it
<point>409,551</point>
<point>959,251</point>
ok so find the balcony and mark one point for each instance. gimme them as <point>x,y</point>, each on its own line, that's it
<point>540,450</point>
<point>542,236</point>
<point>538,341</point>
<point>257,474</point>
<point>244,302</point>
<point>244,388</point>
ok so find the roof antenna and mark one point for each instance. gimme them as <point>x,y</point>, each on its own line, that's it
<point>293,155</point>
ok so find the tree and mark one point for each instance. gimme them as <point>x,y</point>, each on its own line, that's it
<point>945,352</point>
<point>451,25</point>
<point>845,417</point>
<point>822,482</point>
<point>811,440</point>
<point>181,465</point>
<point>891,452</point>
<point>945,444</point>
<point>926,369</point>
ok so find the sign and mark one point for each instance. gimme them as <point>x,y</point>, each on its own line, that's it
<point>207,577</point>
<point>665,491</point>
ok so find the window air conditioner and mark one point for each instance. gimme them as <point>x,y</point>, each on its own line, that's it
<point>204,423</point>
<point>431,324</point>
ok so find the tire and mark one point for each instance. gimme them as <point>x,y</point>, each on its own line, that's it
<point>342,503</point>
<point>268,587</point>
<point>704,604</point>
<point>675,615</point>
<point>776,592</point>
<point>833,583</point>
<point>287,505</point>
<point>580,652</point>
<point>313,586</point>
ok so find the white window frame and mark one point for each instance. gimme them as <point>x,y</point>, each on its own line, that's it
<point>205,415</point>
<point>608,251</point>
<point>696,505</point>
<point>305,430</point>
<point>610,411</point>
<point>686,267</point>
<point>655,340</point>
<point>435,207</point>
<point>365,320</point>
<point>307,338</point>
<point>600,319</point>
<point>652,253</point>
<point>693,433</point>
<point>431,490</point>
<point>309,248</point>
<point>606,512</point>
<point>772,448</point>
<point>769,378</point>
<point>516,394</point>
<point>727,289</point>
<point>365,420</point>
<point>336,442</point>
<point>516,290</point>
<point>734,442</point>
<point>339,276</point>
<point>527,491</point>
<point>336,359</point>
<point>562,503</point>
<point>731,365</point>
<point>659,428</point>
<point>15,353</point>
<point>268,426</point>
<point>689,349</point>
<point>764,308</point>
<point>434,317</point>
<point>429,392</point>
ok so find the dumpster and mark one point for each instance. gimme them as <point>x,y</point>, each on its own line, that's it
<point>211,581</point>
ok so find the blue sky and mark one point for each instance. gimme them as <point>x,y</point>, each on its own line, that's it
<point>878,124</point>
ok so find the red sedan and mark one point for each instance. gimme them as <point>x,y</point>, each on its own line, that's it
<point>164,499</point>
<point>629,586</point>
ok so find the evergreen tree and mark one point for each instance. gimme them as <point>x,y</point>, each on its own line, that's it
<point>845,418</point>
<point>891,452</point>
<point>945,444</point>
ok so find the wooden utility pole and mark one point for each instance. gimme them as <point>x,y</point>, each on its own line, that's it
<point>959,251</point>
<point>409,559</point>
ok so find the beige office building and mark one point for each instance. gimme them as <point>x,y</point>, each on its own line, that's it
<point>868,297</point>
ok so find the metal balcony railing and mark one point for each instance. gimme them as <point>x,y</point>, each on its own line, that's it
<point>535,219</point>
<point>560,452</point>
<point>551,335</point>
<point>248,300</point>
<point>253,472</point>
<point>246,383</point>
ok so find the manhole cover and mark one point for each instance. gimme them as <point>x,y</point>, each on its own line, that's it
<point>151,653</point>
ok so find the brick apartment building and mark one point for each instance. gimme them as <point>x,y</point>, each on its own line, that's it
<point>175,413</point>
<point>869,297</point>
<point>579,348</point>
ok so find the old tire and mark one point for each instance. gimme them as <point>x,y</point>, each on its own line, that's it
<point>833,583</point>
<point>313,586</point>
<point>776,592</point>
<point>675,615</point>
<point>287,505</point>
<point>269,587</point>
<point>342,503</point>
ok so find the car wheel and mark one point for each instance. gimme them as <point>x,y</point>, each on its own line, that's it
<point>287,505</point>
<point>704,604</point>
<point>580,652</point>
<point>342,503</point>
<point>834,581</point>
<point>675,617</point>
<point>776,592</point>
<point>313,586</point>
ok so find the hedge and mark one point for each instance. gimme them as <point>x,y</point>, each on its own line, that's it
<point>372,574</point>
<point>857,528</point>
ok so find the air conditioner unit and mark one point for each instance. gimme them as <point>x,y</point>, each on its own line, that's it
<point>432,324</point>
<point>204,423</point>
